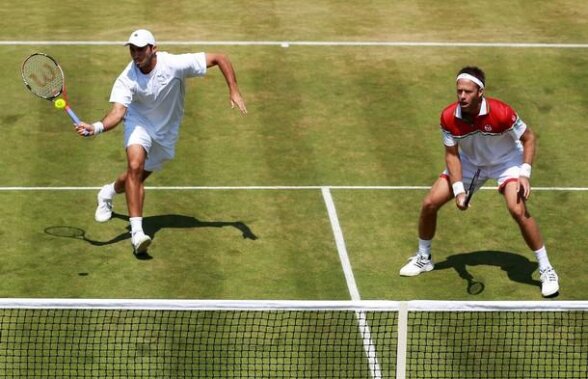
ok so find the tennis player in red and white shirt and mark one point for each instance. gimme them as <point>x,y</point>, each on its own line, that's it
<point>486,134</point>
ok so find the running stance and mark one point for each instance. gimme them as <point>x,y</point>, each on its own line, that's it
<point>149,96</point>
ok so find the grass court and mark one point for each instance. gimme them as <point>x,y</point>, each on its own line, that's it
<point>243,210</point>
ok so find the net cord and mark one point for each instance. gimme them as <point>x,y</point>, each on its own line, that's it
<point>361,305</point>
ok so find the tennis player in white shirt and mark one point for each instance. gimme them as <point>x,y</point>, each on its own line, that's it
<point>149,96</point>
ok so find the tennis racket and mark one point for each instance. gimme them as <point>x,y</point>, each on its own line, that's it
<point>43,76</point>
<point>472,188</point>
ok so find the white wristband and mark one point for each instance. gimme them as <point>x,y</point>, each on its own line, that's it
<point>98,127</point>
<point>458,188</point>
<point>525,170</point>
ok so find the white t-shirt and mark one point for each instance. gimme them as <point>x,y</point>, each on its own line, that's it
<point>155,101</point>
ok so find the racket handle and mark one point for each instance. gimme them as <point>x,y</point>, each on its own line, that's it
<point>72,115</point>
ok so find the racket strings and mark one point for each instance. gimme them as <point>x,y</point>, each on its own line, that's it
<point>43,76</point>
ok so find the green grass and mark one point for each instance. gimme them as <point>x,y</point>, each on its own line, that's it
<point>206,245</point>
<point>318,116</point>
<point>484,243</point>
<point>346,116</point>
<point>373,20</point>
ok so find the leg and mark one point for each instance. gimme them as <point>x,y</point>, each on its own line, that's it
<point>518,210</point>
<point>532,236</point>
<point>135,194</point>
<point>120,183</point>
<point>106,194</point>
<point>438,196</point>
<point>133,182</point>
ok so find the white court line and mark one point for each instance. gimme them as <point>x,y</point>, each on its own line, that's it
<point>314,43</point>
<point>340,242</point>
<point>232,188</point>
<point>364,328</point>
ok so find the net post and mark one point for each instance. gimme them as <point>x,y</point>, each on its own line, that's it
<point>402,340</point>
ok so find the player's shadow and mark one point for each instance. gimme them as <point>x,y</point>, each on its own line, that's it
<point>517,267</point>
<point>153,224</point>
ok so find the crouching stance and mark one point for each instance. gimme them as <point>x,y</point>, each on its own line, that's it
<point>486,134</point>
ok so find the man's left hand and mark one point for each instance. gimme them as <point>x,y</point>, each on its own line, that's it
<point>524,187</point>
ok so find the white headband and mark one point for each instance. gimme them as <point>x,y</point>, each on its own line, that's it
<point>470,78</point>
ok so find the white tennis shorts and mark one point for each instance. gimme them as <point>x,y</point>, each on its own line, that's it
<point>502,173</point>
<point>157,154</point>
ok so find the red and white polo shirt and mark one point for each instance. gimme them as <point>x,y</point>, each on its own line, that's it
<point>493,137</point>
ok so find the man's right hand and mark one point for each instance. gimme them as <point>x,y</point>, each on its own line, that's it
<point>460,201</point>
<point>84,129</point>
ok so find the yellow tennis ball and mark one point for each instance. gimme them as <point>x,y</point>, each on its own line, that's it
<point>60,103</point>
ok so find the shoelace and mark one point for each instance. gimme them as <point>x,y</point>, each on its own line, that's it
<point>106,204</point>
<point>549,275</point>
<point>420,262</point>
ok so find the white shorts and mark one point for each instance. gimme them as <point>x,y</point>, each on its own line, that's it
<point>156,153</point>
<point>502,173</point>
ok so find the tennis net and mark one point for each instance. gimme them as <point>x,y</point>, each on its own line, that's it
<point>67,338</point>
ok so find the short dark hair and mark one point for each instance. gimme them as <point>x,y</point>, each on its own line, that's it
<point>474,71</point>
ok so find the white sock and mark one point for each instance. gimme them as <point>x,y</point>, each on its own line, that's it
<point>136,225</point>
<point>425,248</point>
<point>107,192</point>
<point>542,259</point>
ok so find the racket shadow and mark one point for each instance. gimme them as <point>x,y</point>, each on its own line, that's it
<point>517,267</point>
<point>64,231</point>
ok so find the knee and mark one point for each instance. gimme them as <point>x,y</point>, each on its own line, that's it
<point>135,168</point>
<point>429,205</point>
<point>519,213</point>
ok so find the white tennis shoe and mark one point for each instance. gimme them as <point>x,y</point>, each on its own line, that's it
<point>549,282</point>
<point>417,265</point>
<point>104,208</point>
<point>140,242</point>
